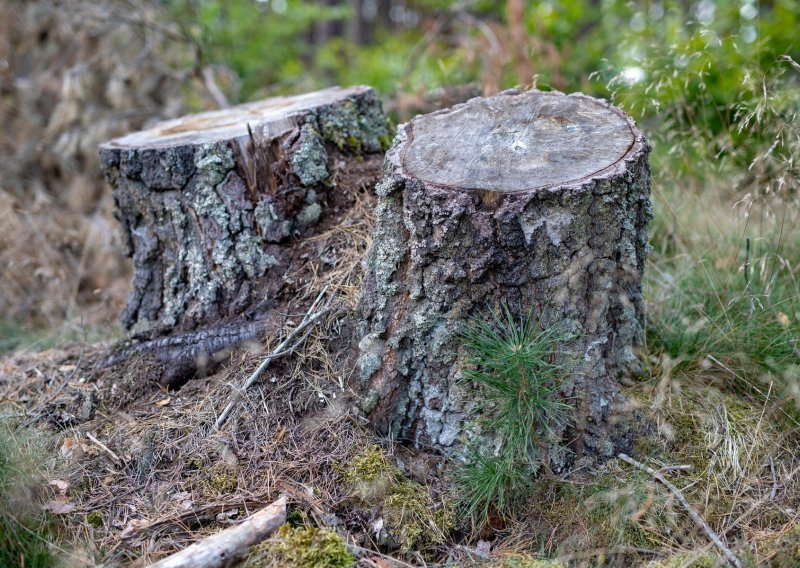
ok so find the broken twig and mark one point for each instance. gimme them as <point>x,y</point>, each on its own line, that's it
<point>223,548</point>
<point>698,520</point>
<point>311,318</point>
<point>103,447</point>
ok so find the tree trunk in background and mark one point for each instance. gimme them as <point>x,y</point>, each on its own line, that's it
<point>209,202</point>
<point>538,200</point>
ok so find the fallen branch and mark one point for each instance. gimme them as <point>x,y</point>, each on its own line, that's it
<point>698,520</point>
<point>309,320</point>
<point>223,548</point>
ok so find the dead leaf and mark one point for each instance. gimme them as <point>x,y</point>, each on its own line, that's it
<point>60,506</point>
<point>783,319</point>
<point>59,485</point>
<point>164,402</point>
<point>72,449</point>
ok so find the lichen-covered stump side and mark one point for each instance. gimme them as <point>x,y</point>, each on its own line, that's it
<point>208,202</point>
<point>538,200</point>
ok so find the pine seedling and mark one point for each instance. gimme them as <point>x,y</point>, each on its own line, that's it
<point>516,364</point>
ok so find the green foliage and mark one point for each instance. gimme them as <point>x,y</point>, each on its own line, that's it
<point>25,529</point>
<point>493,483</point>
<point>265,43</point>
<point>515,365</point>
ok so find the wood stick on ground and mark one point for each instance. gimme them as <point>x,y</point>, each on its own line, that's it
<point>698,520</point>
<point>223,548</point>
<point>309,320</point>
<point>103,447</point>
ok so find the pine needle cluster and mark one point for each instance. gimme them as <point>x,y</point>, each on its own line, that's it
<point>517,367</point>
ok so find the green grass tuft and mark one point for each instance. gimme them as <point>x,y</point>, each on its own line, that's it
<point>25,529</point>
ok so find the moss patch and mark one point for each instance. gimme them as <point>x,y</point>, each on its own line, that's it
<point>779,549</point>
<point>222,478</point>
<point>302,547</point>
<point>407,514</point>
<point>688,560</point>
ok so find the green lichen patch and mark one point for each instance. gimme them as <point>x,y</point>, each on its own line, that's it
<point>310,159</point>
<point>301,547</point>
<point>359,127</point>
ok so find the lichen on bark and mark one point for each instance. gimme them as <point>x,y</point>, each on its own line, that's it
<point>207,217</point>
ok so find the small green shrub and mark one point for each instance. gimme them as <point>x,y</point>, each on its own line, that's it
<point>514,363</point>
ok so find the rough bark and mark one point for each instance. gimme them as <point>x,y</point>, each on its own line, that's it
<point>210,203</point>
<point>538,200</point>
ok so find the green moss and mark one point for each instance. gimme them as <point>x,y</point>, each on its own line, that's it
<point>302,547</point>
<point>688,560</point>
<point>782,549</point>
<point>222,478</point>
<point>386,142</point>
<point>95,518</point>
<point>369,465</point>
<point>412,520</point>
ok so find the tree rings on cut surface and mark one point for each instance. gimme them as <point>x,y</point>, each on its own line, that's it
<point>535,200</point>
<point>519,143</point>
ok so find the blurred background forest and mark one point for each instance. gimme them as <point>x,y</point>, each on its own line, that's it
<point>714,83</point>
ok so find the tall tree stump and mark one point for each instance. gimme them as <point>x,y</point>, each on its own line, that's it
<point>535,199</point>
<point>209,202</point>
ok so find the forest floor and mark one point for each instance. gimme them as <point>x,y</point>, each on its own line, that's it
<point>130,471</point>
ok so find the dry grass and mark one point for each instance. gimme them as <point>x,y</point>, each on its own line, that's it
<point>75,74</point>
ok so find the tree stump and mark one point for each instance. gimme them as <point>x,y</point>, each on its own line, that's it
<point>535,199</point>
<point>209,202</point>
